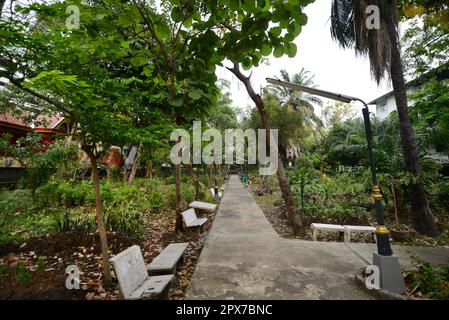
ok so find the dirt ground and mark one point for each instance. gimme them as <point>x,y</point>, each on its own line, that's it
<point>36,269</point>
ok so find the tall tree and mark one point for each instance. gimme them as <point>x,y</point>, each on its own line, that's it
<point>290,124</point>
<point>349,28</point>
<point>240,32</point>
<point>58,66</point>
<point>296,99</point>
<point>287,194</point>
<point>336,112</point>
<point>2,4</point>
<point>301,102</point>
<point>171,48</point>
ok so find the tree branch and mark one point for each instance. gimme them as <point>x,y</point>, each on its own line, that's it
<point>51,101</point>
<point>246,81</point>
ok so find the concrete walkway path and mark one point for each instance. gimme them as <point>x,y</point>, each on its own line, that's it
<point>244,258</point>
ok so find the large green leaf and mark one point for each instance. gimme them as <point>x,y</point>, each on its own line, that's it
<point>195,94</point>
<point>176,102</point>
<point>278,51</point>
<point>139,61</point>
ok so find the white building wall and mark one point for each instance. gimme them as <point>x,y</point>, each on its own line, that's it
<point>388,104</point>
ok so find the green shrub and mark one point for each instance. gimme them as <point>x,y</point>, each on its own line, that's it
<point>22,273</point>
<point>332,200</point>
<point>2,271</point>
<point>124,218</point>
<point>150,184</point>
<point>443,193</point>
<point>12,201</point>
<point>154,200</point>
<point>65,193</point>
<point>187,194</point>
<point>431,280</point>
<point>48,194</point>
<point>74,220</point>
<point>116,174</point>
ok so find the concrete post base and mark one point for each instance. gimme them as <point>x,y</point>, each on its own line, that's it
<point>390,273</point>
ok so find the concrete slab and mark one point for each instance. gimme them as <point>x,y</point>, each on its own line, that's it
<point>203,206</point>
<point>244,258</point>
<point>167,260</point>
<point>437,255</point>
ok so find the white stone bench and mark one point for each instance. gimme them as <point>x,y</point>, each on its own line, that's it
<point>168,259</point>
<point>365,229</point>
<point>346,229</point>
<point>191,220</point>
<point>133,278</point>
<point>203,206</point>
<point>315,227</point>
<point>212,191</point>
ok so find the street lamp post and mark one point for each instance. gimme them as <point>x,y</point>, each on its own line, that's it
<point>390,273</point>
<point>383,240</point>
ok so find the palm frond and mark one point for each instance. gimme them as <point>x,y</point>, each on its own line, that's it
<point>342,22</point>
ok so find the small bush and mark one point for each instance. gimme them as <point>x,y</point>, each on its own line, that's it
<point>443,193</point>
<point>65,193</point>
<point>116,174</point>
<point>2,271</point>
<point>187,194</point>
<point>22,273</point>
<point>430,280</point>
<point>74,220</point>
<point>154,200</point>
<point>125,219</point>
<point>13,201</point>
<point>332,200</point>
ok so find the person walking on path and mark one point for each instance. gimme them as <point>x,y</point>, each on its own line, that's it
<point>244,179</point>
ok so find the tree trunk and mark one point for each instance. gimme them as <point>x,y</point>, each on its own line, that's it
<point>179,225</point>
<point>421,215</point>
<point>135,164</point>
<point>287,195</point>
<point>149,173</point>
<point>319,149</point>
<point>196,183</point>
<point>209,175</point>
<point>2,4</point>
<point>99,216</point>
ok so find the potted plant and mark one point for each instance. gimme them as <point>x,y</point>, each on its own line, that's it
<point>399,232</point>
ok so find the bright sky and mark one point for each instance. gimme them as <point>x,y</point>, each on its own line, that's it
<point>335,69</point>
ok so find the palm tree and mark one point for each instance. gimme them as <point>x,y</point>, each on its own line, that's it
<point>293,98</point>
<point>2,4</point>
<point>301,102</point>
<point>349,28</point>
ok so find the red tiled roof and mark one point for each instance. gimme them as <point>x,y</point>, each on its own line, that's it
<point>9,119</point>
<point>42,121</point>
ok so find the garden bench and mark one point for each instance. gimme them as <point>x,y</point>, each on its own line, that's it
<point>345,229</point>
<point>133,278</point>
<point>203,206</point>
<point>350,229</point>
<point>167,260</point>
<point>315,227</point>
<point>191,220</point>
<point>212,191</point>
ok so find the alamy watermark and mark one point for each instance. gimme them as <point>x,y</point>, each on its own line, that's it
<point>372,20</point>
<point>372,280</point>
<point>373,17</point>
<point>73,280</point>
<point>236,141</point>
<point>72,21</point>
